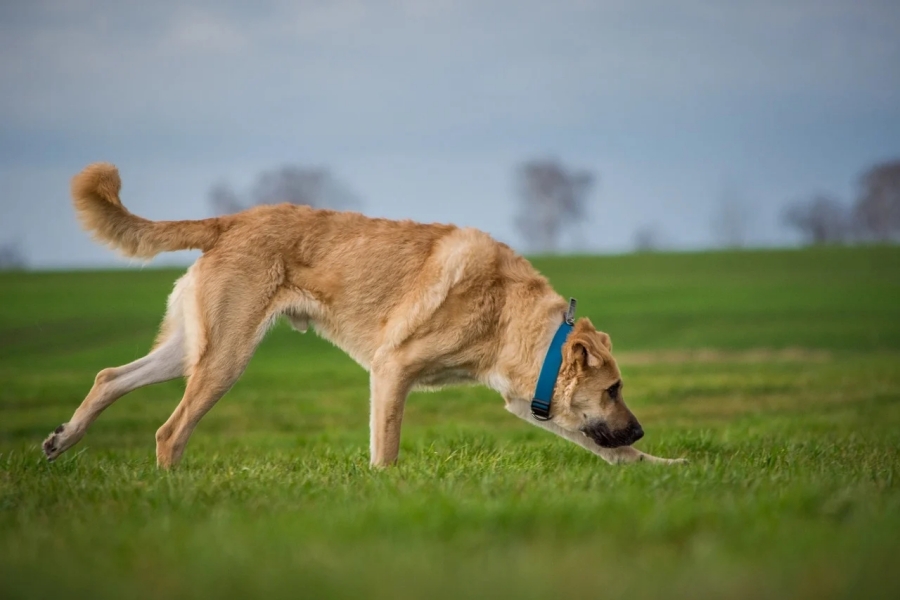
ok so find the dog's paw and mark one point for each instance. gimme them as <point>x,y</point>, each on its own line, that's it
<point>53,444</point>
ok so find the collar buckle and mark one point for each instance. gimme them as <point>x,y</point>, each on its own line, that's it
<point>570,312</point>
<point>540,410</point>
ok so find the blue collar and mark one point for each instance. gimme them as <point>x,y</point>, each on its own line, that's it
<point>543,392</point>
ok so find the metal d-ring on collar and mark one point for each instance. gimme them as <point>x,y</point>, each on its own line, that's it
<point>543,392</point>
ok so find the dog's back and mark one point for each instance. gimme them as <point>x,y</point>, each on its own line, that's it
<point>364,283</point>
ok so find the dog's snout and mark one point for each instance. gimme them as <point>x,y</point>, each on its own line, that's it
<point>637,432</point>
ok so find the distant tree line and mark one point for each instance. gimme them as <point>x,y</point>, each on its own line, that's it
<point>554,199</point>
<point>873,217</point>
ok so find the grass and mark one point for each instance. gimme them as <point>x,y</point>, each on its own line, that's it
<point>776,373</point>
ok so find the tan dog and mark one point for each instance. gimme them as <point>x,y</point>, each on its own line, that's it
<point>416,305</point>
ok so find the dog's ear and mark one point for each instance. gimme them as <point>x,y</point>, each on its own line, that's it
<point>586,346</point>
<point>605,340</point>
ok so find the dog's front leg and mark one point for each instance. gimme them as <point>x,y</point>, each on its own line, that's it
<point>389,388</point>
<point>614,456</point>
<point>630,454</point>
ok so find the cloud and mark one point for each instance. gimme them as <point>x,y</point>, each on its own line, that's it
<point>356,68</point>
<point>195,30</point>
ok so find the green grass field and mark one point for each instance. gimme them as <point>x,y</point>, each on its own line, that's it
<point>776,373</point>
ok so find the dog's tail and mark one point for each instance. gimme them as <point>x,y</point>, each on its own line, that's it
<point>95,193</point>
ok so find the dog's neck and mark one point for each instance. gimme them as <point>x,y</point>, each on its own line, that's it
<point>523,349</point>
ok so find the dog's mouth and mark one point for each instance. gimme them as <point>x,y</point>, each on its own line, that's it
<point>600,432</point>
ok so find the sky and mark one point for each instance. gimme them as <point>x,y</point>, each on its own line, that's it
<point>424,108</point>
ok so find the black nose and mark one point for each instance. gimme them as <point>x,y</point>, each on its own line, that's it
<point>637,432</point>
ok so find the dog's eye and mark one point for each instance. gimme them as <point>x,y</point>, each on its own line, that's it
<point>613,390</point>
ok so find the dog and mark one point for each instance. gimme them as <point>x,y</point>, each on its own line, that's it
<point>416,305</point>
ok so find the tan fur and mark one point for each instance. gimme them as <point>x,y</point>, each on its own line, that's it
<point>416,305</point>
<point>95,193</point>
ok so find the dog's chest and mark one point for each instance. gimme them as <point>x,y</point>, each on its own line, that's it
<point>442,377</point>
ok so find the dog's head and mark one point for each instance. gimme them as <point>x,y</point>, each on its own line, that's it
<point>589,396</point>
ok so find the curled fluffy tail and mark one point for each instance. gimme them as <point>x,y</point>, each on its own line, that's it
<point>95,193</point>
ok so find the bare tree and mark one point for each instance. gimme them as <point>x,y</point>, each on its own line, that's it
<point>732,220</point>
<point>12,258</point>
<point>224,199</point>
<point>821,219</point>
<point>877,209</point>
<point>312,186</point>
<point>648,238</point>
<point>552,198</point>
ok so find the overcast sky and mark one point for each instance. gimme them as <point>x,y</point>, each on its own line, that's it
<point>424,108</point>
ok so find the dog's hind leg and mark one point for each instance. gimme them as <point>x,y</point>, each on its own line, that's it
<point>218,369</point>
<point>166,361</point>
<point>230,339</point>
